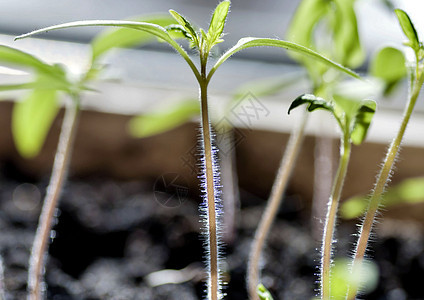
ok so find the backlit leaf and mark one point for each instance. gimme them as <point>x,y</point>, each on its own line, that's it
<point>263,293</point>
<point>365,278</point>
<point>249,42</point>
<point>164,120</point>
<point>389,64</point>
<point>124,37</point>
<point>347,46</point>
<point>31,120</point>
<point>216,26</point>
<point>409,191</point>
<point>18,58</point>
<point>186,25</point>
<point>408,29</point>
<point>153,29</point>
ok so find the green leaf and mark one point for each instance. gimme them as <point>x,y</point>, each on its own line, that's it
<point>153,29</point>
<point>124,37</point>
<point>19,58</point>
<point>313,102</point>
<point>389,64</point>
<point>408,29</point>
<point>216,26</point>
<point>347,46</point>
<point>301,31</point>
<point>305,19</point>
<point>164,120</point>
<point>409,191</point>
<point>249,42</point>
<point>362,121</point>
<point>31,121</point>
<point>189,29</point>
<point>365,278</point>
<point>263,293</point>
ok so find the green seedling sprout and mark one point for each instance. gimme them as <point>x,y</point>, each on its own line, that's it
<point>340,19</point>
<point>32,119</point>
<point>353,118</point>
<point>417,80</point>
<point>204,42</point>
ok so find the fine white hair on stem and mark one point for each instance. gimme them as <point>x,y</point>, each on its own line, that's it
<point>218,211</point>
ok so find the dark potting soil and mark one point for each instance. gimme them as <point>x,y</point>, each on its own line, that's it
<point>118,240</point>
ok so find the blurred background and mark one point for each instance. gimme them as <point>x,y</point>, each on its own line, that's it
<point>114,228</point>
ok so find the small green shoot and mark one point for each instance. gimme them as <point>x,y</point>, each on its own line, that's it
<point>417,80</point>
<point>354,118</point>
<point>163,120</point>
<point>389,65</point>
<point>409,191</point>
<point>409,30</point>
<point>263,293</point>
<point>341,277</point>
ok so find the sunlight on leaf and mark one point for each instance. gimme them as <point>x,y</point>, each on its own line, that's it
<point>216,26</point>
<point>263,293</point>
<point>153,29</point>
<point>249,42</point>
<point>123,37</point>
<point>347,45</point>
<point>408,29</point>
<point>408,191</point>
<point>365,279</point>
<point>31,120</point>
<point>389,64</point>
<point>164,120</point>
<point>188,28</point>
<point>17,58</point>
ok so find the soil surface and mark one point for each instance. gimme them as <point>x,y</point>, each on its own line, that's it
<point>112,238</point>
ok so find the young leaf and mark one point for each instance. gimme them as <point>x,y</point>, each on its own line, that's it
<point>161,121</point>
<point>408,29</point>
<point>313,102</point>
<point>186,25</point>
<point>263,293</point>
<point>249,42</point>
<point>16,57</point>
<point>31,120</point>
<point>362,121</point>
<point>301,31</point>
<point>305,19</point>
<point>216,26</point>
<point>366,278</point>
<point>124,37</point>
<point>153,29</point>
<point>409,191</point>
<point>347,46</point>
<point>389,65</point>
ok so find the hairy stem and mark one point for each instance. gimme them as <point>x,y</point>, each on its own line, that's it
<point>59,172</point>
<point>231,201</point>
<point>213,281</point>
<point>286,167</point>
<point>330,220</point>
<point>382,179</point>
